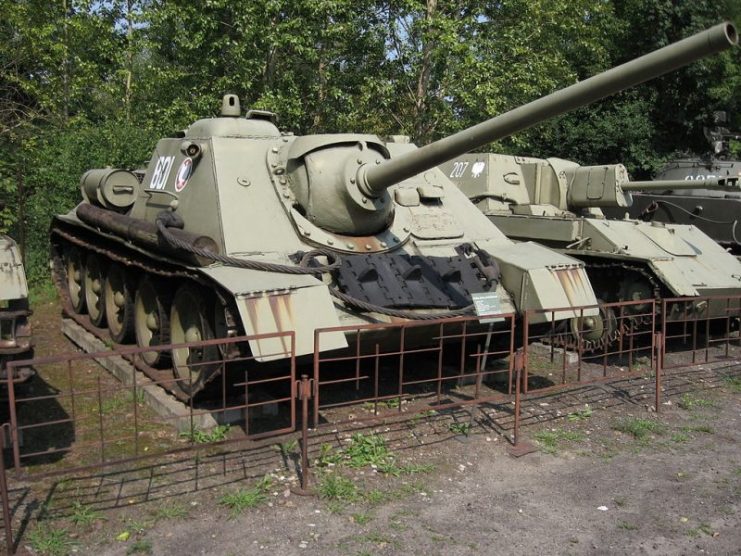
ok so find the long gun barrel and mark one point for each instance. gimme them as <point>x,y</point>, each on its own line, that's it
<point>373,180</point>
<point>727,184</point>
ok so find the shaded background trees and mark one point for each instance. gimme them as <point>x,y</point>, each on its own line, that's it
<point>88,83</point>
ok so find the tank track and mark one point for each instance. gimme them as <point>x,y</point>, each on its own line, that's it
<point>564,339</point>
<point>163,376</point>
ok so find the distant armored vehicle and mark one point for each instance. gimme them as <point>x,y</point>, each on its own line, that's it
<point>16,342</point>
<point>238,228</point>
<point>715,212</point>
<point>558,204</point>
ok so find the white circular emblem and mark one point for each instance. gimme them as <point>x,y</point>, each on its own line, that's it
<point>184,172</point>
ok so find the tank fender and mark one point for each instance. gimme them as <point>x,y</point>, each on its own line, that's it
<point>270,302</point>
<point>546,282</point>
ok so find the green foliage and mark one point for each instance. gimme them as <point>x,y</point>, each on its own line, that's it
<point>50,541</point>
<point>460,428</point>
<point>733,383</point>
<point>86,84</point>
<point>639,428</point>
<point>550,439</point>
<point>170,511</point>
<point>84,515</point>
<point>337,488</point>
<point>581,414</point>
<point>243,499</point>
<point>689,402</point>
<point>140,546</point>
<point>362,451</point>
<point>198,436</point>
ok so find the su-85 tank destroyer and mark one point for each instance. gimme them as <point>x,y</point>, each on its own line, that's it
<point>715,212</point>
<point>558,204</point>
<point>236,227</point>
<point>16,341</point>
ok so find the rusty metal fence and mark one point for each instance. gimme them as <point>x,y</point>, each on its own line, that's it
<point>616,342</point>
<point>706,327</point>
<point>79,417</point>
<point>88,411</point>
<point>413,366</point>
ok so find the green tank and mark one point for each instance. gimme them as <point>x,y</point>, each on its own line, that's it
<point>236,227</point>
<point>559,204</point>
<point>16,340</point>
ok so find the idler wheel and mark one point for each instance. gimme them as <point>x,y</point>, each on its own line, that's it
<point>94,289</point>
<point>191,320</point>
<point>75,271</point>
<point>119,304</point>
<point>152,320</point>
<point>595,331</point>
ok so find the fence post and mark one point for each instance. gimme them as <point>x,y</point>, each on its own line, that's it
<point>658,367</point>
<point>304,394</point>
<point>518,386</point>
<point>9,543</point>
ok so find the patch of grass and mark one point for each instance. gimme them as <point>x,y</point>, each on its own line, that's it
<point>619,501</point>
<point>368,450</point>
<point>41,291</point>
<point>679,437</point>
<point>414,468</point>
<point>49,541</point>
<point>702,528</point>
<point>581,414</point>
<point>122,401</point>
<point>733,383</point>
<point>198,436</point>
<point>627,526</point>
<point>639,428</point>
<point>689,402</point>
<point>460,428</point>
<point>338,488</point>
<point>84,515</point>
<point>140,546</point>
<point>707,429</point>
<point>375,537</point>
<point>375,496</point>
<point>243,499</point>
<point>362,518</point>
<point>363,450</point>
<point>391,403</point>
<point>170,511</point>
<point>287,448</point>
<point>138,527</point>
<point>549,440</point>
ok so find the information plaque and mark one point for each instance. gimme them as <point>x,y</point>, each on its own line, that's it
<point>487,304</point>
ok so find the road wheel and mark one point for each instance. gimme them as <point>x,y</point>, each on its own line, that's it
<point>94,292</point>
<point>191,320</point>
<point>119,304</point>
<point>152,321</point>
<point>75,271</point>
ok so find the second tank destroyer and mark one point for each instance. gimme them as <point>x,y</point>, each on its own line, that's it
<point>559,203</point>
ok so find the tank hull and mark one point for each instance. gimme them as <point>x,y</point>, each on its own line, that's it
<point>16,341</point>
<point>528,199</point>
<point>715,212</point>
